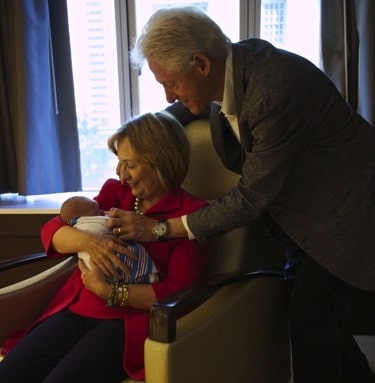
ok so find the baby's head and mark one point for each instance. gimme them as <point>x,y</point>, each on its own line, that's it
<point>79,206</point>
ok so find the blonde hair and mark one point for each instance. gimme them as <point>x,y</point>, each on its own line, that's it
<point>172,36</point>
<point>159,141</point>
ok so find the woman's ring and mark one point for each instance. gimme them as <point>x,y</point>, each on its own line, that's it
<point>119,230</point>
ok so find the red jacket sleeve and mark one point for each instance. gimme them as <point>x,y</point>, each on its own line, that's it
<point>46,233</point>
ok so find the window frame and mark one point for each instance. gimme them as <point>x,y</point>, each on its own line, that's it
<point>249,24</point>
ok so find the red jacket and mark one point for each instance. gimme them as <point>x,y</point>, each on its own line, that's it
<point>180,263</point>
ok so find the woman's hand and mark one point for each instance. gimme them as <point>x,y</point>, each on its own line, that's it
<point>103,250</point>
<point>141,296</point>
<point>95,280</point>
<point>129,225</point>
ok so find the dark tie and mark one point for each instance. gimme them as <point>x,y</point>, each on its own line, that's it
<point>225,142</point>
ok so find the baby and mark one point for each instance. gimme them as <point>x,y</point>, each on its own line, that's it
<point>85,214</point>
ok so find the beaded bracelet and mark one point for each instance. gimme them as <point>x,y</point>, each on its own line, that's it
<point>124,295</point>
<point>118,296</point>
<point>113,296</point>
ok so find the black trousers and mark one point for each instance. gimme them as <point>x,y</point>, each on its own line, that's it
<point>68,348</point>
<point>323,347</point>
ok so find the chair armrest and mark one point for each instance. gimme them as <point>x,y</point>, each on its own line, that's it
<point>21,261</point>
<point>164,313</point>
<point>28,259</point>
<point>21,303</point>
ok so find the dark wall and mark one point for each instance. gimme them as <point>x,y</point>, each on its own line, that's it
<point>19,235</point>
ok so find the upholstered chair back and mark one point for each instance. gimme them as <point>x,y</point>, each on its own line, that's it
<point>207,178</point>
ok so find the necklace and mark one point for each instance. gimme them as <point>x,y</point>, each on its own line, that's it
<point>137,205</point>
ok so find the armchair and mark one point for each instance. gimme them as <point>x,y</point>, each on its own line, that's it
<point>232,327</point>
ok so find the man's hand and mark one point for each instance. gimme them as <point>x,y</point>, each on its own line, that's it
<point>129,225</point>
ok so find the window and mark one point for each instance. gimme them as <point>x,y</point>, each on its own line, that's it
<point>96,85</point>
<point>108,91</point>
<point>292,25</point>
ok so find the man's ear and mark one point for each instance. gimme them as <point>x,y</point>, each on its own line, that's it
<point>202,63</point>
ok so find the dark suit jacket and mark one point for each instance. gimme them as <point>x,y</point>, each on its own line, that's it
<point>306,157</point>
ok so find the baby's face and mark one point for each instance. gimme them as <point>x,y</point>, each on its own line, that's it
<point>94,209</point>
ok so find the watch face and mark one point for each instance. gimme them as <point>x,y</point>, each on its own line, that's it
<point>160,230</point>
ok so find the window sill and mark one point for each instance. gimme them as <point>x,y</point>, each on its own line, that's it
<point>38,204</point>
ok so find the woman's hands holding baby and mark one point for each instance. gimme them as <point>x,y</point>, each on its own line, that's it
<point>95,280</point>
<point>103,250</point>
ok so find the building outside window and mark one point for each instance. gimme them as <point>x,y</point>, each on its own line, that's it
<point>273,20</point>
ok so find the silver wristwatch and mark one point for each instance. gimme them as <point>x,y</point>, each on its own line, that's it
<point>160,230</point>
